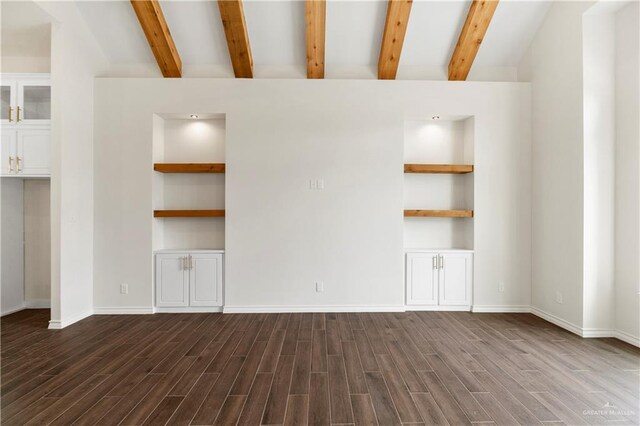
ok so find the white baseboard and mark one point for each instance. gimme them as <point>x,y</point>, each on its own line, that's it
<point>557,321</point>
<point>501,308</point>
<point>627,337</point>
<point>123,310</point>
<point>437,308</point>
<point>59,324</point>
<point>38,304</point>
<point>587,332</point>
<point>253,309</point>
<point>188,309</point>
<point>597,332</point>
<point>13,310</point>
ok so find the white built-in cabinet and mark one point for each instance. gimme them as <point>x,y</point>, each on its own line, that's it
<point>189,279</point>
<point>25,115</point>
<point>439,279</point>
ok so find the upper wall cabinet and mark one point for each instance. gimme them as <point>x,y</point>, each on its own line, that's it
<point>25,141</point>
<point>25,99</point>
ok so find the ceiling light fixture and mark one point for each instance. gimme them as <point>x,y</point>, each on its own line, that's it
<point>193,116</point>
<point>435,117</point>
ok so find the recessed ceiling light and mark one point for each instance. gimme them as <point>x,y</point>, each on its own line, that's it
<point>435,117</point>
<point>193,116</point>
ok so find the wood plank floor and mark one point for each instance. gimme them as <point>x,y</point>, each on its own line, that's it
<point>295,369</point>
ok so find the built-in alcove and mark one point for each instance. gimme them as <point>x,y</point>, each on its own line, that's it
<point>439,183</point>
<point>188,181</point>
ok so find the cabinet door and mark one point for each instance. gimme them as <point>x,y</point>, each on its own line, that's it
<point>8,152</point>
<point>205,279</point>
<point>456,276</point>
<point>422,279</point>
<point>8,101</point>
<point>34,152</point>
<point>34,100</point>
<point>172,280</point>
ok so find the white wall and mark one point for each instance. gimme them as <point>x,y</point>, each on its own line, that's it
<point>37,242</point>
<point>599,144</point>
<point>11,245</point>
<point>25,38</point>
<point>627,176</point>
<point>555,70</point>
<point>76,60</point>
<point>281,236</point>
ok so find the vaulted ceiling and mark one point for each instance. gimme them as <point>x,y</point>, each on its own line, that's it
<point>354,32</point>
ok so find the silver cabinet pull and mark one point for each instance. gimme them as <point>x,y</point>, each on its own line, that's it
<point>184,263</point>
<point>190,262</point>
<point>10,164</point>
<point>441,262</point>
<point>18,164</point>
<point>434,262</point>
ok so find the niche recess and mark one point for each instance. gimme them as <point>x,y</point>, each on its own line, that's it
<point>188,181</point>
<point>439,183</point>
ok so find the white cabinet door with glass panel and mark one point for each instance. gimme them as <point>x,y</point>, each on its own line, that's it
<point>440,280</point>
<point>25,116</point>
<point>34,101</point>
<point>25,99</point>
<point>8,100</point>
<point>189,279</point>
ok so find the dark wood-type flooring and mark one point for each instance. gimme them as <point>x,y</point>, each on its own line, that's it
<point>293,369</point>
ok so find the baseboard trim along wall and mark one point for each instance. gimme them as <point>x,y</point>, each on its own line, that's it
<point>189,309</point>
<point>58,324</point>
<point>13,310</point>
<point>627,337</point>
<point>557,321</point>
<point>146,310</point>
<point>586,332</point>
<point>437,308</point>
<point>123,310</point>
<point>312,308</point>
<point>501,308</point>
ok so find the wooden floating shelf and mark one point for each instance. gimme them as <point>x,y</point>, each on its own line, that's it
<point>438,168</point>
<point>188,213</point>
<point>189,167</point>
<point>438,213</point>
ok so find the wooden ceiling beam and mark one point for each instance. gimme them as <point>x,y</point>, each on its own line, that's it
<point>473,32</point>
<point>315,17</point>
<point>395,28</point>
<point>235,30</point>
<point>159,37</point>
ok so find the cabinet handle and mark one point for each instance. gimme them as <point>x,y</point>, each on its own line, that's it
<point>17,114</point>
<point>441,262</point>
<point>190,262</point>
<point>18,164</point>
<point>10,164</point>
<point>10,111</point>
<point>184,263</point>
<point>434,262</point>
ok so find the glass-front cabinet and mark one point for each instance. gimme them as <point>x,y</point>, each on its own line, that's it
<point>25,100</point>
<point>8,100</point>
<point>25,116</point>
